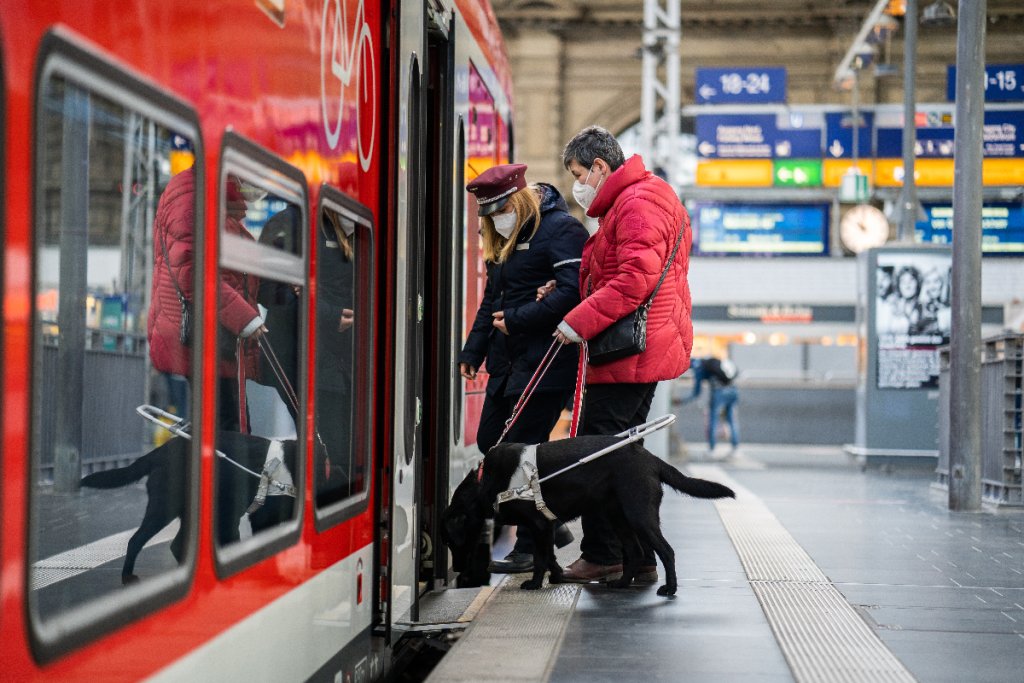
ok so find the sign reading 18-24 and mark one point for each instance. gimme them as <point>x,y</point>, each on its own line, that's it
<point>741,85</point>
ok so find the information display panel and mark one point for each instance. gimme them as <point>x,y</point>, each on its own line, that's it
<point>726,229</point>
<point>1002,227</point>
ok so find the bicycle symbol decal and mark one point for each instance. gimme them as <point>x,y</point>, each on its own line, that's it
<point>347,56</point>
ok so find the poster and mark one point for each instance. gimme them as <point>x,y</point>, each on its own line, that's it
<point>912,317</point>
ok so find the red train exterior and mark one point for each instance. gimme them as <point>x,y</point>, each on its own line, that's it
<point>369,113</point>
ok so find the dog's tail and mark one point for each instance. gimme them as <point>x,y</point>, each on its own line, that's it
<point>122,476</point>
<point>692,486</point>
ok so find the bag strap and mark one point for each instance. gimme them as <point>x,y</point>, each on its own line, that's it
<point>167,262</point>
<point>664,272</point>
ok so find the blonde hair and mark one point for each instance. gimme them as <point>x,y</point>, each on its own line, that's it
<point>526,203</point>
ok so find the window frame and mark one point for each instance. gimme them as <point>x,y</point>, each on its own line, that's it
<point>64,55</point>
<point>333,514</point>
<point>248,159</point>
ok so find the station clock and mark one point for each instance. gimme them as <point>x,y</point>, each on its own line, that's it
<point>863,227</point>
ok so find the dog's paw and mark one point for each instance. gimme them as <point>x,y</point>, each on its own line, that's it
<point>129,579</point>
<point>531,585</point>
<point>555,577</point>
<point>667,590</point>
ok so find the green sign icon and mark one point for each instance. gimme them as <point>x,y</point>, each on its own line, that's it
<point>797,172</point>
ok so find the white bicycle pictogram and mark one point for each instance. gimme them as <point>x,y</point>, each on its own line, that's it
<point>344,55</point>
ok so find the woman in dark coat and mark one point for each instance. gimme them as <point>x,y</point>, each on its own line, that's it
<point>529,239</point>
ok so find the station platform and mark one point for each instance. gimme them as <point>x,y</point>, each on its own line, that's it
<point>818,571</point>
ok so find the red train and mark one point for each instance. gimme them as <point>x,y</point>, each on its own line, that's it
<point>289,175</point>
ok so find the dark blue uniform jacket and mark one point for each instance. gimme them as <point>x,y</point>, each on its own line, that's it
<point>553,253</point>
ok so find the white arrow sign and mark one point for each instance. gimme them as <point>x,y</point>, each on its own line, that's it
<point>706,148</point>
<point>836,149</point>
<point>707,92</point>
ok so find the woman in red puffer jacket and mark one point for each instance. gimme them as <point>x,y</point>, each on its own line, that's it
<point>173,260</point>
<point>640,221</point>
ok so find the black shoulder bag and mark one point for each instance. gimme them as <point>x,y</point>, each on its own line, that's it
<point>185,329</point>
<point>628,336</point>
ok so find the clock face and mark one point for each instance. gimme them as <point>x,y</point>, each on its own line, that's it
<point>863,227</point>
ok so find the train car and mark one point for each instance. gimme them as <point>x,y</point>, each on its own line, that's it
<point>238,262</point>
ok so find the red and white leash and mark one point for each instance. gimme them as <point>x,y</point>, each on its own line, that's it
<point>545,363</point>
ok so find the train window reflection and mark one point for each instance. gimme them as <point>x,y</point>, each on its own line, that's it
<point>103,170</point>
<point>260,315</point>
<point>343,354</point>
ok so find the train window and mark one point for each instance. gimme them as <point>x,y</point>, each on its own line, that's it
<point>343,358</point>
<point>110,380</point>
<point>261,316</point>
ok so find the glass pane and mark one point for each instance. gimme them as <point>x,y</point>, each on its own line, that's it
<point>340,466</point>
<point>259,331</point>
<point>105,342</point>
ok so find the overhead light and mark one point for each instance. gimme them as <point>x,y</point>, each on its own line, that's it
<point>938,13</point>
<point>864,54</point>
<point>846,80</point>
<point>896,8</point>
<point>883,29</point>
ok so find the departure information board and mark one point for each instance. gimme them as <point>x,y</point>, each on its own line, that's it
<point>722,229</point>
<point>1002,227</point>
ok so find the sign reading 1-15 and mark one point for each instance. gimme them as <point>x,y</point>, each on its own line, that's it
<point>740,85</point>
<point>1003,82</point>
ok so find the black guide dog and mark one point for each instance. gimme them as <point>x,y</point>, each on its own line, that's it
<point>165,468</point>
<point>625,484</point>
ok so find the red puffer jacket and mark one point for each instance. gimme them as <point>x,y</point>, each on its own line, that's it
<point>173,231</point>
<point>640,218</point>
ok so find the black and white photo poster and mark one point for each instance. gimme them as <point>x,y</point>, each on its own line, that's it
<point>912,318</point>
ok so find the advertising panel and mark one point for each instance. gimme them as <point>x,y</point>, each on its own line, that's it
<point>912,318</point>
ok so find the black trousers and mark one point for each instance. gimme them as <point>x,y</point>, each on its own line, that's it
<point>534,425</point>
<point>610,409</point>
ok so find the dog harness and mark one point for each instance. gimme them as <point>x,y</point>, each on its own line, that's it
<point>525,483</point>
<point>275,479</point>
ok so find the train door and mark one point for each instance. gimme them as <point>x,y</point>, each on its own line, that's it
<point>444,250</point>
<point>400,516</point>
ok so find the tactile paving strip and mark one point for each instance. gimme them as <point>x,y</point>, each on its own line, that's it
<point>514,638</point>
<point>821,635</point>
<point>78,560</point>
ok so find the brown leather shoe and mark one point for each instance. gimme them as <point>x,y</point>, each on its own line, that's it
<point>582,571</point>
<point>646,574</point>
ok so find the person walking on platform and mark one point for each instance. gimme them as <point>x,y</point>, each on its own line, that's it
<point>643,238</point>
<point>529,238</point>
<point>719,374</point>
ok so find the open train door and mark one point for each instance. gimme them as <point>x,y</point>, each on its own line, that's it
<point>399,514</point>
<point>444,208</point>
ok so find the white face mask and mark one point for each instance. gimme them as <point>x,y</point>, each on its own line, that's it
<point>584,194</point>
<point>505,223</point>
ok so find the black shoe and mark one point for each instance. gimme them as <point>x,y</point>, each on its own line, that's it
<point>563,536</point>
<point>514,563</point>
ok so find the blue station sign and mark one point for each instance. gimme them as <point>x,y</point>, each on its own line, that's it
<point>1003,83</point>
<point>839,135</point>
<point>741,85</point>
<point>1002,136</point>
<point>754,136</point>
